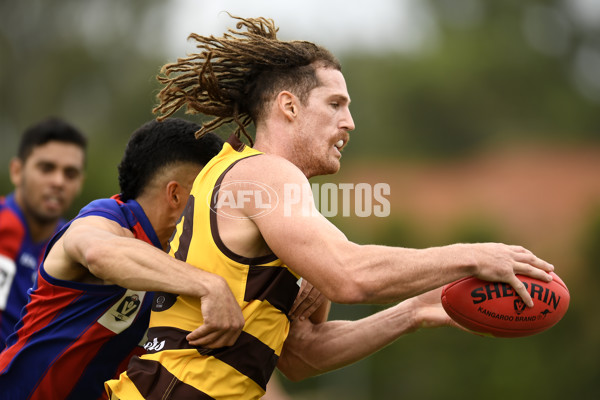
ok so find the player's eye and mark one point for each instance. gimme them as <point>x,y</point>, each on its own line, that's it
<point>72,173</point>
<point>46,167</point>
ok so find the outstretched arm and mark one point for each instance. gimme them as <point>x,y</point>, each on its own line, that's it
<point>347,272</point>
<point>312,349</point>
<point>97,250</point>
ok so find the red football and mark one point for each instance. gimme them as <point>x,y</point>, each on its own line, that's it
<point>495,309</point>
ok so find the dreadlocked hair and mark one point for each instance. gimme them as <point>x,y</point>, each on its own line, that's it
<point>233,77</point>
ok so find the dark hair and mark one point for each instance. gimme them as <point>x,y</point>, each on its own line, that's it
<point>235,76</point>
<point>156,145</point>
<point>48,130</point>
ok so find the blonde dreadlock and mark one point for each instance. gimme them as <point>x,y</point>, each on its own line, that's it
<point>232,77</point>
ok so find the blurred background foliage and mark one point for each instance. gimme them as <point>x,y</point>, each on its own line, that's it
<point>491,75</point>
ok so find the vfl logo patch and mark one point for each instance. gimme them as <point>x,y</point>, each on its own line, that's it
<point>122,314</point>
<point>127,307</point>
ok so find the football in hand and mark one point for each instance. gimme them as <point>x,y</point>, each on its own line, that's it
<point>495,309</point>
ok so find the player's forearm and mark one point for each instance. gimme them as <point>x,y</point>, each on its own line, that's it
<point>113,255</point>
<point>380,274</point>
<point>401,273</point>
<point>415,271</point>
<point>312,349</point>
<point>136,265</point>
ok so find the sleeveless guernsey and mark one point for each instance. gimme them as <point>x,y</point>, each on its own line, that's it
<point>264,288</point>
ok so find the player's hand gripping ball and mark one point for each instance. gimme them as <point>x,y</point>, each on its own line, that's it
<point>495,309</point>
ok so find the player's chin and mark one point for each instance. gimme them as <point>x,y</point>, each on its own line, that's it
<point>330,171</point>
<point>333,166</point>
<point>50,214</point>
<point>51,208</point>
<point>326,166</point>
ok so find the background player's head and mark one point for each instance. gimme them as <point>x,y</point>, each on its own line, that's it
<point>157,152</point>
<point>47,171</point>
<point>237,76</point>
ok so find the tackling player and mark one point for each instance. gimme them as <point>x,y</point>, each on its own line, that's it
<point>81,324</point>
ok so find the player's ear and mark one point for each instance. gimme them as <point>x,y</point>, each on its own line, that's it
<point>16,171</point>
<point>287,104</point>
<point>174,194</point>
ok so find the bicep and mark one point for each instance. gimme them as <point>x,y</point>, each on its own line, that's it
<point>295,230</point>
<point>305,240</point>
<point>296,361</point>
<point>87,232</point>
<point>314,348</point>
<point>70,252</point>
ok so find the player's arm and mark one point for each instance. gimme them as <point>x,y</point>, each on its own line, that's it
<point>350,273</point>
<point>111,253</point>
<point>312,349</point>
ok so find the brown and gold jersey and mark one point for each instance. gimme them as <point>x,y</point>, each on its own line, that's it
<point>264,288</point>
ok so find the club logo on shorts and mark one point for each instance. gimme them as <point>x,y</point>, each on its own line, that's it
<point>154,345</point>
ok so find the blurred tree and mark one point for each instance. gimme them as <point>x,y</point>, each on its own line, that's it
<point>495,71</point>
<point>588,348</point>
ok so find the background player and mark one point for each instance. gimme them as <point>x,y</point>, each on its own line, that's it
<point>47,174</point>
